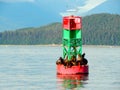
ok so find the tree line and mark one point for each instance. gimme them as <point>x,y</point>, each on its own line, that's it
<point>98,29</point>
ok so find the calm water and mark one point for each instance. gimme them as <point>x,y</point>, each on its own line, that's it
<point>33,68</point>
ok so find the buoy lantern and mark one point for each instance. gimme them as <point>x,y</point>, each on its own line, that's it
<point>73,61</point>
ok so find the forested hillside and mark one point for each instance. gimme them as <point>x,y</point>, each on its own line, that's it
<point>98,29</point>
<point>101,29</point>
<point>30,36</point>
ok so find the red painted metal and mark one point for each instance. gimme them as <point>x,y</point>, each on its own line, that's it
<point>72,22</point>
<point>73,77</point>
<point>61,69</point>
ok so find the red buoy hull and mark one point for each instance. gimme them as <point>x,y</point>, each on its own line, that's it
<point>61,69</point>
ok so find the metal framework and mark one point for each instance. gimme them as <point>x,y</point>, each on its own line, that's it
<point>72,43</point>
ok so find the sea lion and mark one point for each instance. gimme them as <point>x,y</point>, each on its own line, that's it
<point>66,61</point>
<point>85,61</point>
<point>70,64</point>
<point>60,61</point>
<point>83,55</point>
<point>73,60</point>
<point>79,60</point>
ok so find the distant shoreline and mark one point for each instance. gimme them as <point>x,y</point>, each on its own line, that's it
<point>110,46</point>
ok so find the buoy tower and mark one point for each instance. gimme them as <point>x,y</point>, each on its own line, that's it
<point>72,36</point>
<point>72,47</point>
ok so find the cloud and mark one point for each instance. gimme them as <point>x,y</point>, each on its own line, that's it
<point>89,5</point>
<point>12,1</point>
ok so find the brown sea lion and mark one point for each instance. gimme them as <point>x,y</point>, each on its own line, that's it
<point>83,55</point>
<point>79,60</point>
<point>85,61</point>
<point>60,61</point>
<point>66,61</point>
<point>73,60</point>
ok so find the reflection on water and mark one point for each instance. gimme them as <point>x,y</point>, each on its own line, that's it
<point>71,81</point>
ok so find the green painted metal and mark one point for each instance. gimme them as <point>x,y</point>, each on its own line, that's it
<point>69,34</point>
<point>72,43</point>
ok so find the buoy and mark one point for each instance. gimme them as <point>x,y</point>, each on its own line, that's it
<point>78,69</point>
<point>73,61</point>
